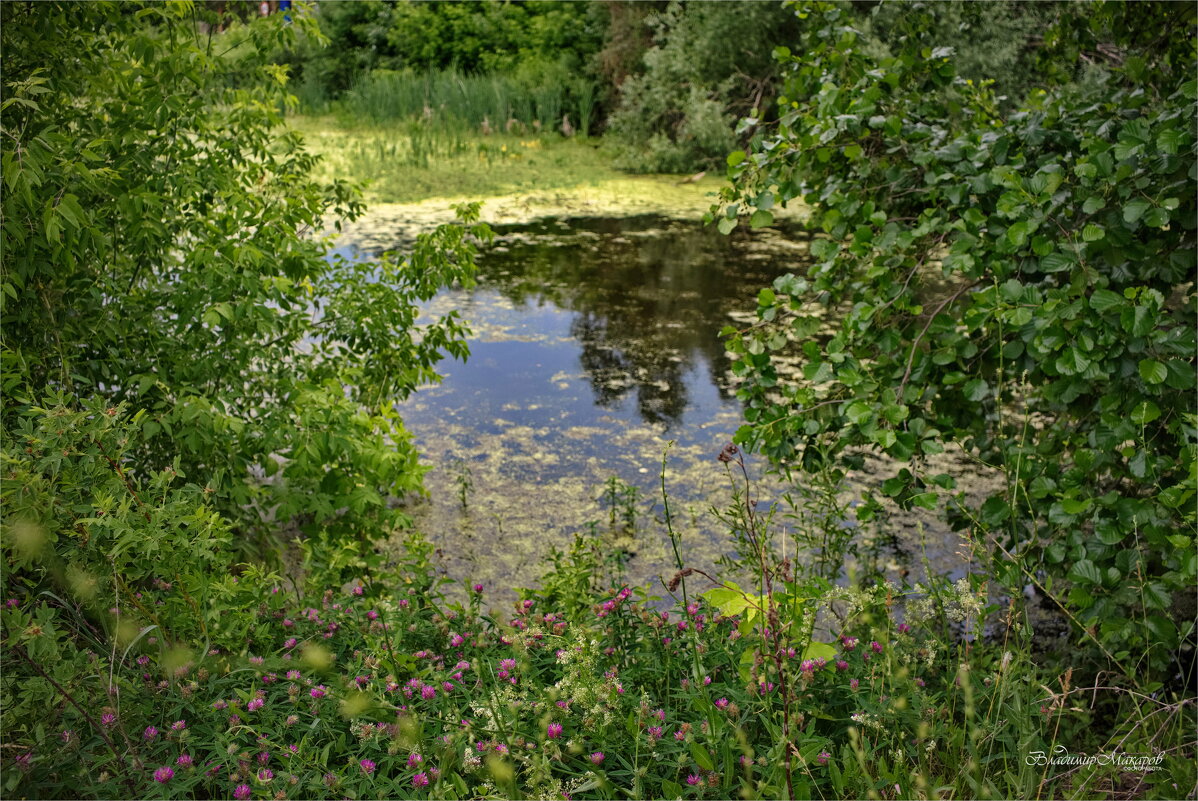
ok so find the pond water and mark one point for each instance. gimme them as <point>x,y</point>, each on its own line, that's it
<point>595,354</point>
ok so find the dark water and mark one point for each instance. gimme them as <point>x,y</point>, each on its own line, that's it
<point>595,353</point>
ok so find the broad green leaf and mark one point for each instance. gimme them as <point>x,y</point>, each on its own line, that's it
<point>1103,300</point>
<point>761,219</point>
<point>1086,572</point>
<point>1134,209</point>
<point>1152,371</point>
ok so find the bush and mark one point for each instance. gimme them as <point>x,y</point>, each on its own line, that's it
<point>1017,285</point>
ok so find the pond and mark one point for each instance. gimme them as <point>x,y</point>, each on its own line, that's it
<point>595,354</point>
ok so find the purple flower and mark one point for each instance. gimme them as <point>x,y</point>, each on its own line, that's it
<point>842,665</point>
<point>877,646</point>
<point>478,588</point>
<point>693,779</point>
<point>184,761</point>
<point>150,733</point>
<point>255,704</point>
<point>318,691</point>
<point>854,684</point>
<point>414,759</point>
<point>367,765</point>
<point>420,780</point>
<point>598,757</point>
<point>823,758</point>
<point>265,775</point>
<point>553,731</point>
<point>108,720</point>
<point>179,725</point>
<point>721,703</point>
<point>655,732</point>
<point>25,761</point>
<point>507,664</point>
<point>163,775</point>
<point>242,792</point>
<point>903,628</point>
<point>428,692</point>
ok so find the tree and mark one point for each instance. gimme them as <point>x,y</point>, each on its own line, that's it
<point>163,250</point>
<point>1018,285</point>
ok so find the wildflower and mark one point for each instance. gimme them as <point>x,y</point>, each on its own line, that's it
<point>265,775</point>
<point>242,792</point>
<point>66,736</point>
<point>358,590</point>
<point>185,761</point>
<point>163,775</point>
<point>447,686</point>
<point>329,779</point>
<point>179,725</point>
<point>876,646</point>
<point>823,758</point>
<point>693,779</point>
<point>456,640</point>
<point>854,684</point>
<point>903,628</point>
<point>414,759</point>
<point>598,757</point>
<point>367,766</point>
<point>679,735</point>
<point>692,609</point>
<point>263,757</point>
<point>290,643</point>
<point>255,704</point>
<point>150,733</point>
<point>420,780</point>
<point>108,720</point>
<point>507,664</point>
<point>292,720</point>
<point>428,692</point>
<point>318,691</point>
<point>553,730</point>
<point>256,660</point>
<point>849,643</point>
<point>655,732</point>
<point>372,615</point>
<point>842,665</point>
<point>706,680</point>
<point>25,761</point>
<point>219,705</point>
<point>721,703</point>
<point>478,588</point>
<point>660,714</point>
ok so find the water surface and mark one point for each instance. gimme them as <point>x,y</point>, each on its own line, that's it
<point>595,351</point>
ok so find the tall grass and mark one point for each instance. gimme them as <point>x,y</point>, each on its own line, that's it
<point>487,103</point>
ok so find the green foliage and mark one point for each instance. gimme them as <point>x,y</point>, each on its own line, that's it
<point>471,38</point>
<point>710,62</point>
<point>1017,285</point>
<point>160,232</point>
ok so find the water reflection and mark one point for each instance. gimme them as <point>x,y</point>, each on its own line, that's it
<point>650,296</point>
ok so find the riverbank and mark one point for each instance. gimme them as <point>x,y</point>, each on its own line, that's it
<point>413,186</point>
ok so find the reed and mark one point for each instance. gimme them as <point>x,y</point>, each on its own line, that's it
<point>453,100</point>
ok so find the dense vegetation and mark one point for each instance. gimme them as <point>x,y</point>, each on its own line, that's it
<point>209,590</point>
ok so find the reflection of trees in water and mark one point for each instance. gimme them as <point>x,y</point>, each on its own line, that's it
<point>614,366</point>
<point>651,297</point>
